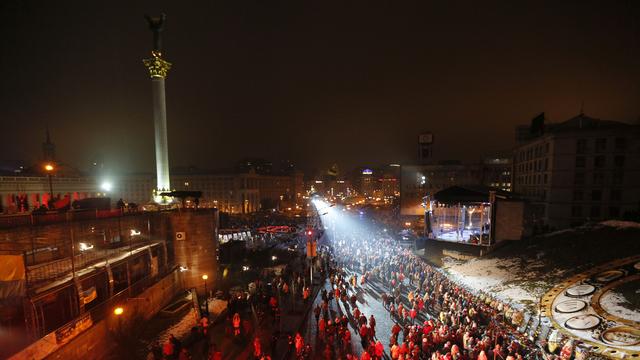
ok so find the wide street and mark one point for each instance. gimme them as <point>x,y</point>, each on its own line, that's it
<point>360,247</point>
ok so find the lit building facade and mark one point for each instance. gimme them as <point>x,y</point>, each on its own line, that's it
<point>330,187</point>
<point>20,194</point>
<point>496,172</point>
<point>583,169</point>
<point>235,193</point>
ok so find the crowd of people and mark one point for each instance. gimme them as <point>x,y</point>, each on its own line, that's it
<point>434,318</point>
<point>427,315</point>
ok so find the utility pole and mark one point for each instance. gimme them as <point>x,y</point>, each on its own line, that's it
<point>311,253</point>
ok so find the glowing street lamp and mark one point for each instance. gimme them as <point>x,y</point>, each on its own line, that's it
<point>49,168</point>
<point>206,296</point>
<point>118,311</point>
<point>106,186</point>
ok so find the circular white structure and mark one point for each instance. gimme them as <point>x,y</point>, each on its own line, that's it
<point>600,307</point>
<point>583,322</point>
<point>621,336</point>
<point>571,306</point>
<point>580,290</point>
<point>621,300</point>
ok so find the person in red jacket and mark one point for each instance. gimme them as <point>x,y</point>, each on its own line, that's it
<point>346,338</point>
<point>257,348</point>
<point>327,352</point>
<point>168,349</point>
<point>236,324</point>
<point>299,344</point>
<point>364,333</point>
<point>321,327</point>
<point>372,325</point>
<point>379,350</point>
<point>365,356</point>
<point>396,329</point>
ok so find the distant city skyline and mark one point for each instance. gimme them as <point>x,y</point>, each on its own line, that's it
<point>305,82</point>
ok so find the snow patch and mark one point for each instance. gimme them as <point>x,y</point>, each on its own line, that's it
<point>616,304</point>
<point>619,224</point>
<point>502,278</point>
<point>180,329</point>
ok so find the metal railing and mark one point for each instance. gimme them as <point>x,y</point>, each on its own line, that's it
<point>10,221</point>
<point>57,269</point>
<point>99,311</point>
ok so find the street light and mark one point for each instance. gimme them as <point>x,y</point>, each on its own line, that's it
<point>49,168</point>
<point>106,186</point>
<point>118,312</point>
<point>206,297</point>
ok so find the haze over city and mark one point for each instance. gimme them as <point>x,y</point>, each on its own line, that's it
<point>316,83</point>
<point>282,180</point>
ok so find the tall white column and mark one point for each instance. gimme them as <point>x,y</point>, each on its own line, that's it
<point>158,69</point>
<point>160,124</point>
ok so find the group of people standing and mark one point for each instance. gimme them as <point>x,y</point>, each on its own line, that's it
<point>434,318</point>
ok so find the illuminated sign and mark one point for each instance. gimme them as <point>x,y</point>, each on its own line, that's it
<point>367,172</point>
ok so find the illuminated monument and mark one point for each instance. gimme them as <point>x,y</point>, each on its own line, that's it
<point>158,69</point>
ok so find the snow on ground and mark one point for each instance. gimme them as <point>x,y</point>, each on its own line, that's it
<point>216,307</point>
<point>499,277</point>
<point>619,224</point>
<point>616,304</point>
<point>180,329</point>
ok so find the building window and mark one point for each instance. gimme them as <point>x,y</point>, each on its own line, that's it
<point>578,195</point>
<point>546,164</point>
<point>581,146</point>
<point>576,211</point>
<point>615,195</point>
<point>621,144</point>
<point>601,145</point>
<point>545,179</point>
<point>580,161</point>
<point>595,211</point>
<point>598,178</point>
<point>579,178</point>
<point>618,176</point>
<point>598,162</point>
<point>546,148</point>
<point>614,211</point>
<point>618,161</point>
<point>596,195</point>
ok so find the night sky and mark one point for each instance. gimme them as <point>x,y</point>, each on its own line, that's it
<point>317,82</point>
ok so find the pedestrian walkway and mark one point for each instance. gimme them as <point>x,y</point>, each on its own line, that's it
<point>273,337</point>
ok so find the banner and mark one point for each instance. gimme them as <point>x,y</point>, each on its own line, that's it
<point>12,276</point>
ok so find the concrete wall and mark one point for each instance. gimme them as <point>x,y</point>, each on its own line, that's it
<point>100,338</point>
<point>197,252</point>
<point>22,238</point>
<point>156,297</point>
<point>509,220</point>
